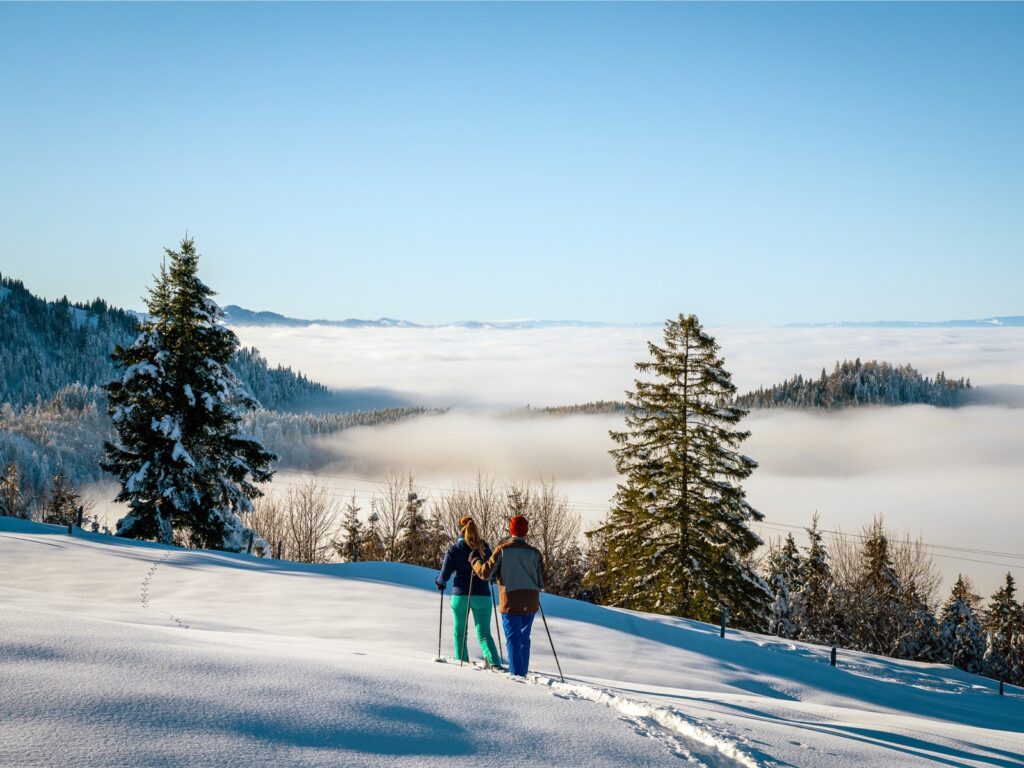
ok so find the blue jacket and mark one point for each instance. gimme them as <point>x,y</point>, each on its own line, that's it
<point>456,560</point>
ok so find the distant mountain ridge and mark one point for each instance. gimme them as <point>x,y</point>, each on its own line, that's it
<point>240,316</point>
<point>236,315</point>
<point>1009,321</point>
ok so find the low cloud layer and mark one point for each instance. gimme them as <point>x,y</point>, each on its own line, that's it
<point>555,366</point>
<point>953,476</point>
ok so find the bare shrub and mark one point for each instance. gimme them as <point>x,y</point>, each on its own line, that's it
<point>312,520</point>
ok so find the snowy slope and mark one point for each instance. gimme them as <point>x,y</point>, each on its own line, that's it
<point>116,653</point>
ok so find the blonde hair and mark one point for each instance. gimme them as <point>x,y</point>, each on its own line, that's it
<point>471,533</point>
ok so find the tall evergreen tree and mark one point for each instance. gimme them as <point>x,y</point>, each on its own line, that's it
<point>962,642</point>
<point>784,577</point>
<point>919,634</point>
<point>876,624</point>
<point>678,535</point>
<point>351,547</point>
<point>1004,623</point>
<point>594,586</point>
<point>373,544</point>
<point>12,498</point>
<point>416,544</point>
<point>62,503</point>
<point>816,593</point>
<point>179,454</point>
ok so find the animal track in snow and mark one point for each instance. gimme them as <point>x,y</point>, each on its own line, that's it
<point>144,589</point>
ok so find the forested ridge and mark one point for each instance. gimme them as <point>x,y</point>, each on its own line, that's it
<point>46,346</point>
<point>55,361</point>
<point>855,383</point>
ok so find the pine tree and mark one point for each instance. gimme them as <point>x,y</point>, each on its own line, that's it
<point>785,577</point>
<point>351,548</point>
<point>12,499</point>
<point>517,500</point>
<point>919,634</point>
<point>1015,654</point>
<point>416,544</point>
<point>1004,623</point>
<point>179,455</point>
<point>876,624</point>
<point>594,585</point>
<point>962,642</point>
<point>678,535</point>
<point>373,545</point>
<point>815,597</point>
<point>62,503</point>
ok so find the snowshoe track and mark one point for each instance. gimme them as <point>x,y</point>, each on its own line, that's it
<point>682,736</point>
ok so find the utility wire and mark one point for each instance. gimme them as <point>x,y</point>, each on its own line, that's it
<point>937,550</point>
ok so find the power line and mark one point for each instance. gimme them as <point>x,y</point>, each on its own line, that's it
<point>937,550</point>
<point>842,535</point>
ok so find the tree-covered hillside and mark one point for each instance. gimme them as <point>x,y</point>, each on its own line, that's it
<point>856,383</point>
<point>48,345</point>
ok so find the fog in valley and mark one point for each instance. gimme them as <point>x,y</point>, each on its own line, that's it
<point>953,476</point>
<point>555,366</point>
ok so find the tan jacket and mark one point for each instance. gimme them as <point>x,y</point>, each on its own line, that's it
<point>519,569</point>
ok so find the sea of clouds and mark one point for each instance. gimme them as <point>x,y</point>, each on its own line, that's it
<point>554,366</point>
<point>953,476</point>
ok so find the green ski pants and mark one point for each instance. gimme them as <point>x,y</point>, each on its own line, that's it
<point>480,608</point>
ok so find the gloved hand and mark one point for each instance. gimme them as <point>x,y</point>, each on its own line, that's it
<point>440,585</point>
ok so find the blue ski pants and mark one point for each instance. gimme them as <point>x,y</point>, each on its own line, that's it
<point>517,641</point>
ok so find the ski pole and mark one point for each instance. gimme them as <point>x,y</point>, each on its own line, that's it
<point>465,629</point>
<point>440,620</point>
<point>545,619</point>
<point>497,626</point>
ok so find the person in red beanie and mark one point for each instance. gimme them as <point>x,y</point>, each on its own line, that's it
<point>519,571</point>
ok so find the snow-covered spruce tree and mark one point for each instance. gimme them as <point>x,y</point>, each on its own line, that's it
<point>785,577</point>
<point>181,460</point>
<point>373,544</point>
<point>919,633</point>
<point>62,504</point>
<point>874,618</point>
<point>417,542</point>
<point>12,498</point>
<point>353,542</point>
<point>594,583</point>
<point>961,638</point>
<point>1015,657</point>
<point>678,535</point>
<point>815,598</point>
<point>1004,625</point>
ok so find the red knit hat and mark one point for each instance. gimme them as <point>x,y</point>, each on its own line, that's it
<point>518,525</point>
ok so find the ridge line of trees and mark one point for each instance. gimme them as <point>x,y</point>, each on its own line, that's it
<point>856,383</point>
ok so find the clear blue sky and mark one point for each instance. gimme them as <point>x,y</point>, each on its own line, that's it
<point>756,164</point>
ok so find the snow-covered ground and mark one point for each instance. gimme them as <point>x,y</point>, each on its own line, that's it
<point>117,653</point>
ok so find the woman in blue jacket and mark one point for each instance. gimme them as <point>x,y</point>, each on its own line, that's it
<point>469,589</point>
